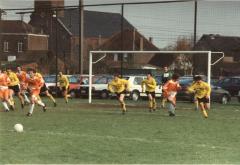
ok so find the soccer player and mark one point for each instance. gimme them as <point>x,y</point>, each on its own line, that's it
<point>195,99</point>
<point>202,92</point>
<point>149,84</point>
<point>22,76</point>
<point>64,85</point>
<point>120,87</point>
<point>170,89</point>
<point>5,93</point>
<point>34,85</point>
<point>44,89</point>
<point>166,76</point>
<point>15,85</point>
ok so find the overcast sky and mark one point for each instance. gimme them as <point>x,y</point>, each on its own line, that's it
<point>164,22</point>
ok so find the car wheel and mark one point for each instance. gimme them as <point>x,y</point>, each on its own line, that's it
<point>224,99</point>
<point>104,95</point>
<point>135,95</point>
<point>72,94</point>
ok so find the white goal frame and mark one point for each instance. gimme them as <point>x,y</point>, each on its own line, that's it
<point>91,53</point>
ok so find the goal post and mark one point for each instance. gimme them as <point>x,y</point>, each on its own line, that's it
<point>104,53</point>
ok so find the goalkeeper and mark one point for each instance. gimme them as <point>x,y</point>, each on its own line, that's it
<point>120,87</point>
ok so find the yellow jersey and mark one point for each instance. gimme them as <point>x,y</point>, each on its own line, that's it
<point>13,79</point>
<point>118,85</point>
<point>63,81</point>
<point>201,89</point>
<point>150,84</point>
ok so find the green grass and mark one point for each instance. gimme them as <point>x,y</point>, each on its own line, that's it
<point>98,133</point>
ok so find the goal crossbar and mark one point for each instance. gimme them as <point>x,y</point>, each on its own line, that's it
<point>91,53</point>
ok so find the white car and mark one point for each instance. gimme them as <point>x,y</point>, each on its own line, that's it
<point>136,89</point>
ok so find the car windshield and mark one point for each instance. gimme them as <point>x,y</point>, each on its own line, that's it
<point>73,79</point>
<point>49,79</point>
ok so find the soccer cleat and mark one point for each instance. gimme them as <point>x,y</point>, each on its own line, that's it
<point>171,114</point>
<point>154,110</point>
<point>44,108</point>
<point>6,110</point>
<point>29,114</point>
<point>55,104</point>
<point>12,108</point>
<point>22,105</point>
<point>150,110</point>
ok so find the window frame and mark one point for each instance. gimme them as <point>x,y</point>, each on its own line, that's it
<point>5,46</point>
<point>18,46</point>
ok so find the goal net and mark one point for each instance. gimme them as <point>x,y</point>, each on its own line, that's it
<point>125,62</point>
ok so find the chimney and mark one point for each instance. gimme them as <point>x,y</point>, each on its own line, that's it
<point>150,39</point>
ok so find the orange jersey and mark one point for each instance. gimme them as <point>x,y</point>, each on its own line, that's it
<point>4,91</point>
<point>41,78</point>
<point>34,84</point>
<point>22,76</point>
<point>4,79</point>
<point>171,87</point>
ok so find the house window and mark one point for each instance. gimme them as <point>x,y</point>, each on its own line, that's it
<point>20,47</point>
<point>5,46</point>
<point>115,57</point>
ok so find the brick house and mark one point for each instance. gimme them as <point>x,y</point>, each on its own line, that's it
<point>229,45</point>
<point>20,43</point>
<point>133,40</point>
<point>99,28</point>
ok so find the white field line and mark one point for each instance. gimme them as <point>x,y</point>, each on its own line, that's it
<point>109,137</point>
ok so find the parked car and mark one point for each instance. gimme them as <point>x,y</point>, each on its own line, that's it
<point>231,84</point>
<point>99,86</point>
<point>50,80</point>
<point>217,94</point>
<point>136,89</point>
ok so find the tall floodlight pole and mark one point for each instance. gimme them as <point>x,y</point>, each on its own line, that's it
<point>195,23</point>
<point>81,36</point>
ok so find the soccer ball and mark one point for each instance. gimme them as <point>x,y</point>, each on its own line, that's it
<point>18,127</point>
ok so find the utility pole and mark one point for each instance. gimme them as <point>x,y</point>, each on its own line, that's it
<point>81,36</point>
<point>56,46</point>
<point>195,23</point>
<point>122,37</point>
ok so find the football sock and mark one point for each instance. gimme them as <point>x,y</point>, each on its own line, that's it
<point>26,98</point>
<point>154,103</point>
<point>205,113</point>
<point>123,106</point>
<point>163,102</point>
<point>52,98</point>
<point>5,106</point>
<point>40,103</point>
<point>171,108</point>
<point>150,104</point>
<point>66,98</point>
<point>31,108</point>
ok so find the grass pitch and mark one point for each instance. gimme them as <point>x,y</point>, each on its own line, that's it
<point>98,133</point>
